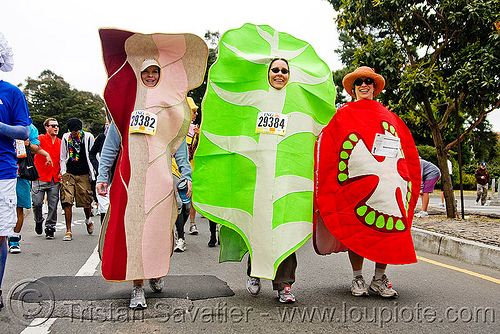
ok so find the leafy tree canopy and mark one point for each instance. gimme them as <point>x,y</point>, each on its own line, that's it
<point>436,56</point>
<point>50,96</point>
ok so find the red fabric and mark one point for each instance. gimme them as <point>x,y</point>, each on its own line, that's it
<point>338,199</point>
<point>47,173</point>
<point>120,95</point>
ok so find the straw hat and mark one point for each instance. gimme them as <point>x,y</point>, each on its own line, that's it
<point>363,71</point>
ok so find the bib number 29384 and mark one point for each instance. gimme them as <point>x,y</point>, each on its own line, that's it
<point>272,123</point>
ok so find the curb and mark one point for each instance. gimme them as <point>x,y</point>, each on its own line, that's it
<point>468,251</point>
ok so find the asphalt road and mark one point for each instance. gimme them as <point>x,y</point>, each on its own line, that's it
<point>58,285</point>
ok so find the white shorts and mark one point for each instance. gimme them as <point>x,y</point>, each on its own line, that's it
<point>8,203</point>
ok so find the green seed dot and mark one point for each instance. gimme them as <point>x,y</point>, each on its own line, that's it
<point>408,196</point>
<point>385,125</point>
<point>399,225</point>
<point>380,221</point>
<point>347,145</point>
<point>370,218</point>
<point>353,137</point>
<point>342,166</point>
<point>409,186</point>
<point>344,155</point>
<point>392,130</point>
<point>390,224</point>
<point>342,177</point>
<point>361,210</point>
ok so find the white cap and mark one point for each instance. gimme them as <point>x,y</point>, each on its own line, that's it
<point>148,62</point>
<point>6,55</point>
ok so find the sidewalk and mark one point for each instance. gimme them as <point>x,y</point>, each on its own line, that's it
<point>460,248</point>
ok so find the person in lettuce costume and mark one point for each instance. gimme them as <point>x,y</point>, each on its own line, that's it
<point>255,160</point>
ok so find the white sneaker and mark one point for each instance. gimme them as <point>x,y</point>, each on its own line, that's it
<point>180,245</point>
<point>253,285</point>
<point>193,230</point>
<point>358,286</point>
<point>383,287</point>
<point>422,214</point>
<point>138,298</point>
<point>286,295</point>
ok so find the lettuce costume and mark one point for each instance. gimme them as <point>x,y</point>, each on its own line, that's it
<point>257,180</point>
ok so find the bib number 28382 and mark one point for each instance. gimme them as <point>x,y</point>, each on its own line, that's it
<point>143,122</point>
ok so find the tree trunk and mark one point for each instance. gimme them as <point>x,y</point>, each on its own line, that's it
<point>449,195</point>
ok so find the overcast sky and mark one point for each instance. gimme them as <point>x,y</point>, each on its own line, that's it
<point>62,35</point>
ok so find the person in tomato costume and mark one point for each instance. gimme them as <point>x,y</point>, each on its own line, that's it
<point>367,182</point>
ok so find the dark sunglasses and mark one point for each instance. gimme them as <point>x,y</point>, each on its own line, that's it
<point>277,70</point>
<point>53,125</point>
<point>359,81</point>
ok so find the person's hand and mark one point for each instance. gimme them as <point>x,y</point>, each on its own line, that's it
<point>196,129</point>
<point>49,161</point>
<point>190,189</point>
<point>102,188</point>
<point>26,142</point>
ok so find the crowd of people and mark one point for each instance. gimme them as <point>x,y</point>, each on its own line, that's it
<point>78,170</point>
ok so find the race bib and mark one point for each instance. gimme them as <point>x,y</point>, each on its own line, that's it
<point>143,122</point>
<point>20,149</point>
<point>386,145</point>
<point>272,123</point>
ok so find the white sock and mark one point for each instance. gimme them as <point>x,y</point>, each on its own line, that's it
<point>357,273</point>
<point>87,221</point>
<point>379,272</point>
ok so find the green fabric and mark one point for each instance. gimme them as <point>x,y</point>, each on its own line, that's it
<point>261,185</point>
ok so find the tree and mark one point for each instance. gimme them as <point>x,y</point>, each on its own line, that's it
<point>436,56</point>
<point>50,96</point>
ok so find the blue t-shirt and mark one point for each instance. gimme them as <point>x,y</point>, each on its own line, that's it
<point>13,111</point>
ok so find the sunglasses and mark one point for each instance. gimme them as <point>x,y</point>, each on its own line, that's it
<point>53,125</point>
<point>359,81</point>
<point>277,70</point>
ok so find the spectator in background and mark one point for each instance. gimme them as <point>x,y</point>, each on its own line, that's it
<point>23,187</point>
<point>77,173</point>
<point>482,181</point>
<point>14,124</point>
<point>95,156</point>
<point>430,175</point>
<point>48,183</point>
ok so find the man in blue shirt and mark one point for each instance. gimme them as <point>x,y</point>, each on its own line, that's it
<point>14,123</point>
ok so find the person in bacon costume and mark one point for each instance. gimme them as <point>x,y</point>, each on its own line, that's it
<point>148,79</point>
<point>367,182</point>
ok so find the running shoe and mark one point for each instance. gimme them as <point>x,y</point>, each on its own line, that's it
<point>253,285</point>
<point>38,228</point>
<point>383,287</point>
<point>180,245</point>
<point>90,227</point>
<point>212,242</point>
<point>68,236</point>
<point>138,298</point>
<point>358,286</point>
<point>14,244</point>
<point>422,214</point>
<point>49,232</point>
<point>193,230</point>
<point>286,295</point>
